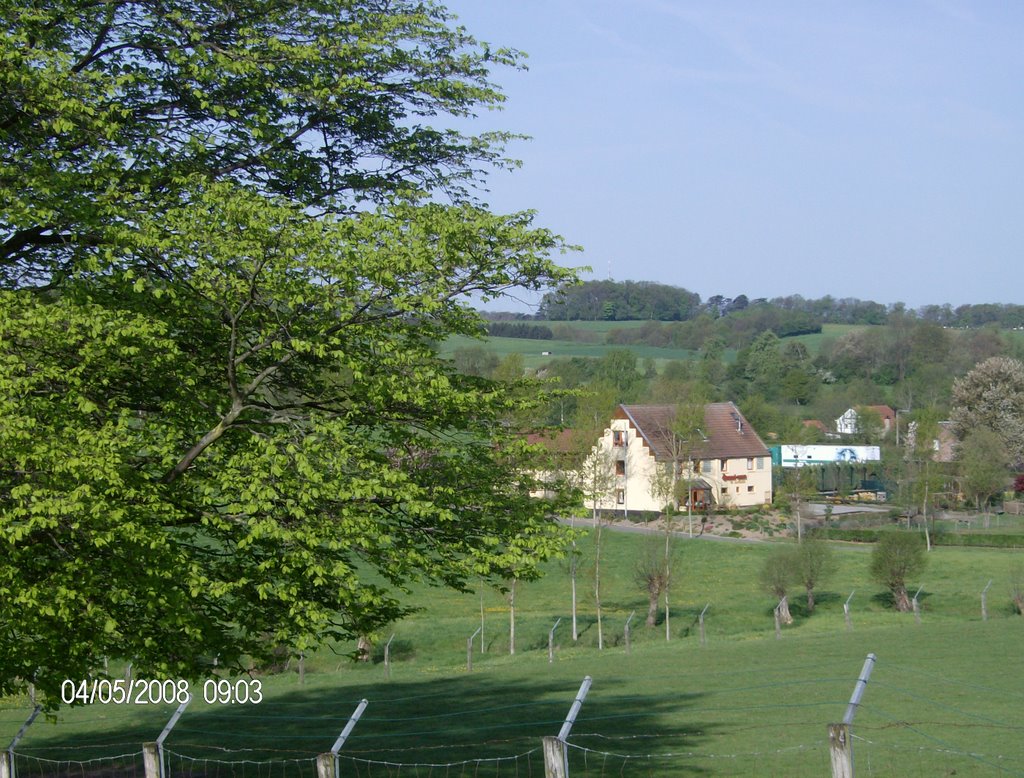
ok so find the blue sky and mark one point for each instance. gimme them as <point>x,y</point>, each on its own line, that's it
<point>858,149</point>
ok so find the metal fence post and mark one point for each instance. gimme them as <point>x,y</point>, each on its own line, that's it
<point>329,762</point>
<point>703,639</point>
<point>387,656</point>
<point>469,651</point>
<point>840,743</point>
<point>556,755</point>
<point>7,757</point>
<point>163,736</point>
<point>625,632</point>
<point>917,608</point>
<point>846,610</point>
<point>551,641</point>
<point>984,605</point>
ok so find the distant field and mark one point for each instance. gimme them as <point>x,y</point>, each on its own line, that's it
<point>532,350</point>
<point>828,332</point>
<point>945,695</point>
<point>598,331</point>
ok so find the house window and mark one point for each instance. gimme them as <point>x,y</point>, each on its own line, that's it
<point>706,466</point>
<point>725,464</point>
<point>750,463</point>
<point>750,490</point>
<point>618,438</point>
<point>620,496</point>
<point>737,490</point>
<point>760,463</point>
<point>620,467</point>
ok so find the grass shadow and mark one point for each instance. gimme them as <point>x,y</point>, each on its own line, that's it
<point>440,721</point>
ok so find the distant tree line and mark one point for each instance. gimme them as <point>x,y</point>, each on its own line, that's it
<point>647,300</point>
<point>518,329</point>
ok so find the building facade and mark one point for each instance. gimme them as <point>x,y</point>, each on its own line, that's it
<point>725,464</point>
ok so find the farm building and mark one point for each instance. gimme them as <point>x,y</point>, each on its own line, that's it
<point>728,466</point>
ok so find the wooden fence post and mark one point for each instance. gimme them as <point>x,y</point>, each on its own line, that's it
<point>840,750</point>
<point>556,758</point>
<point>325,766</point>
<point>151,759</point>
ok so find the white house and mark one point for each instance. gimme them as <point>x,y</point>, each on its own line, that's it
<point>729,466</point>
<point>849,422</point>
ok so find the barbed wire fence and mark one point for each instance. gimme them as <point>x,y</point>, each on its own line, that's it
<point>899,732</point>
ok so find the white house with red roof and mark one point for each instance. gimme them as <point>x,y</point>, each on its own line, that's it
<point>728,466</point>
<point>849,423</point>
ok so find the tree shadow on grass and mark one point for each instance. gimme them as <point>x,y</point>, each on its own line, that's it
<point>886,600</point>
<point>798,605</point>
<point>439,721</point>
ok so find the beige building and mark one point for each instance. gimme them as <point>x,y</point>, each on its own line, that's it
<point>729,466</point>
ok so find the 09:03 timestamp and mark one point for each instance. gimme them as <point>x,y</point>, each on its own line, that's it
<point>142,691</point>
<point>244,691</point>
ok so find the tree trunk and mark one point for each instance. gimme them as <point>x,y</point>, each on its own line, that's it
<point>901,599</point>
<point>924,510</point>
<point>783,609</point>
<point>668,631</point>
<point>597,587</point>
<point>572,574</point>
<point>666,580</point>
<point>810,600</point>
<point>652,605</point>
<point>512,617</point>
<point>573,564</point>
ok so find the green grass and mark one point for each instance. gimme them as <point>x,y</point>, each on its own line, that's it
<point>744,704</point>
<point>532,350</point>
<point>814,341</point>
<point>594,345</point>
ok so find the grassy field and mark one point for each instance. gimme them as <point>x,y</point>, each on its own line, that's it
<point>945,695</point>
<point>594,345</point>
<point>533,357</point>
<point>828,332</point>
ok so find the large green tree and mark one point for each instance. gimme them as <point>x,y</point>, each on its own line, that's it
<point>230,238</point>
<point>984,466</point>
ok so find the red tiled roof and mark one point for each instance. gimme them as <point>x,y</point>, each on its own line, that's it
<point>556,441</point>
<point>726,433</point>
<point>884,411</point>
